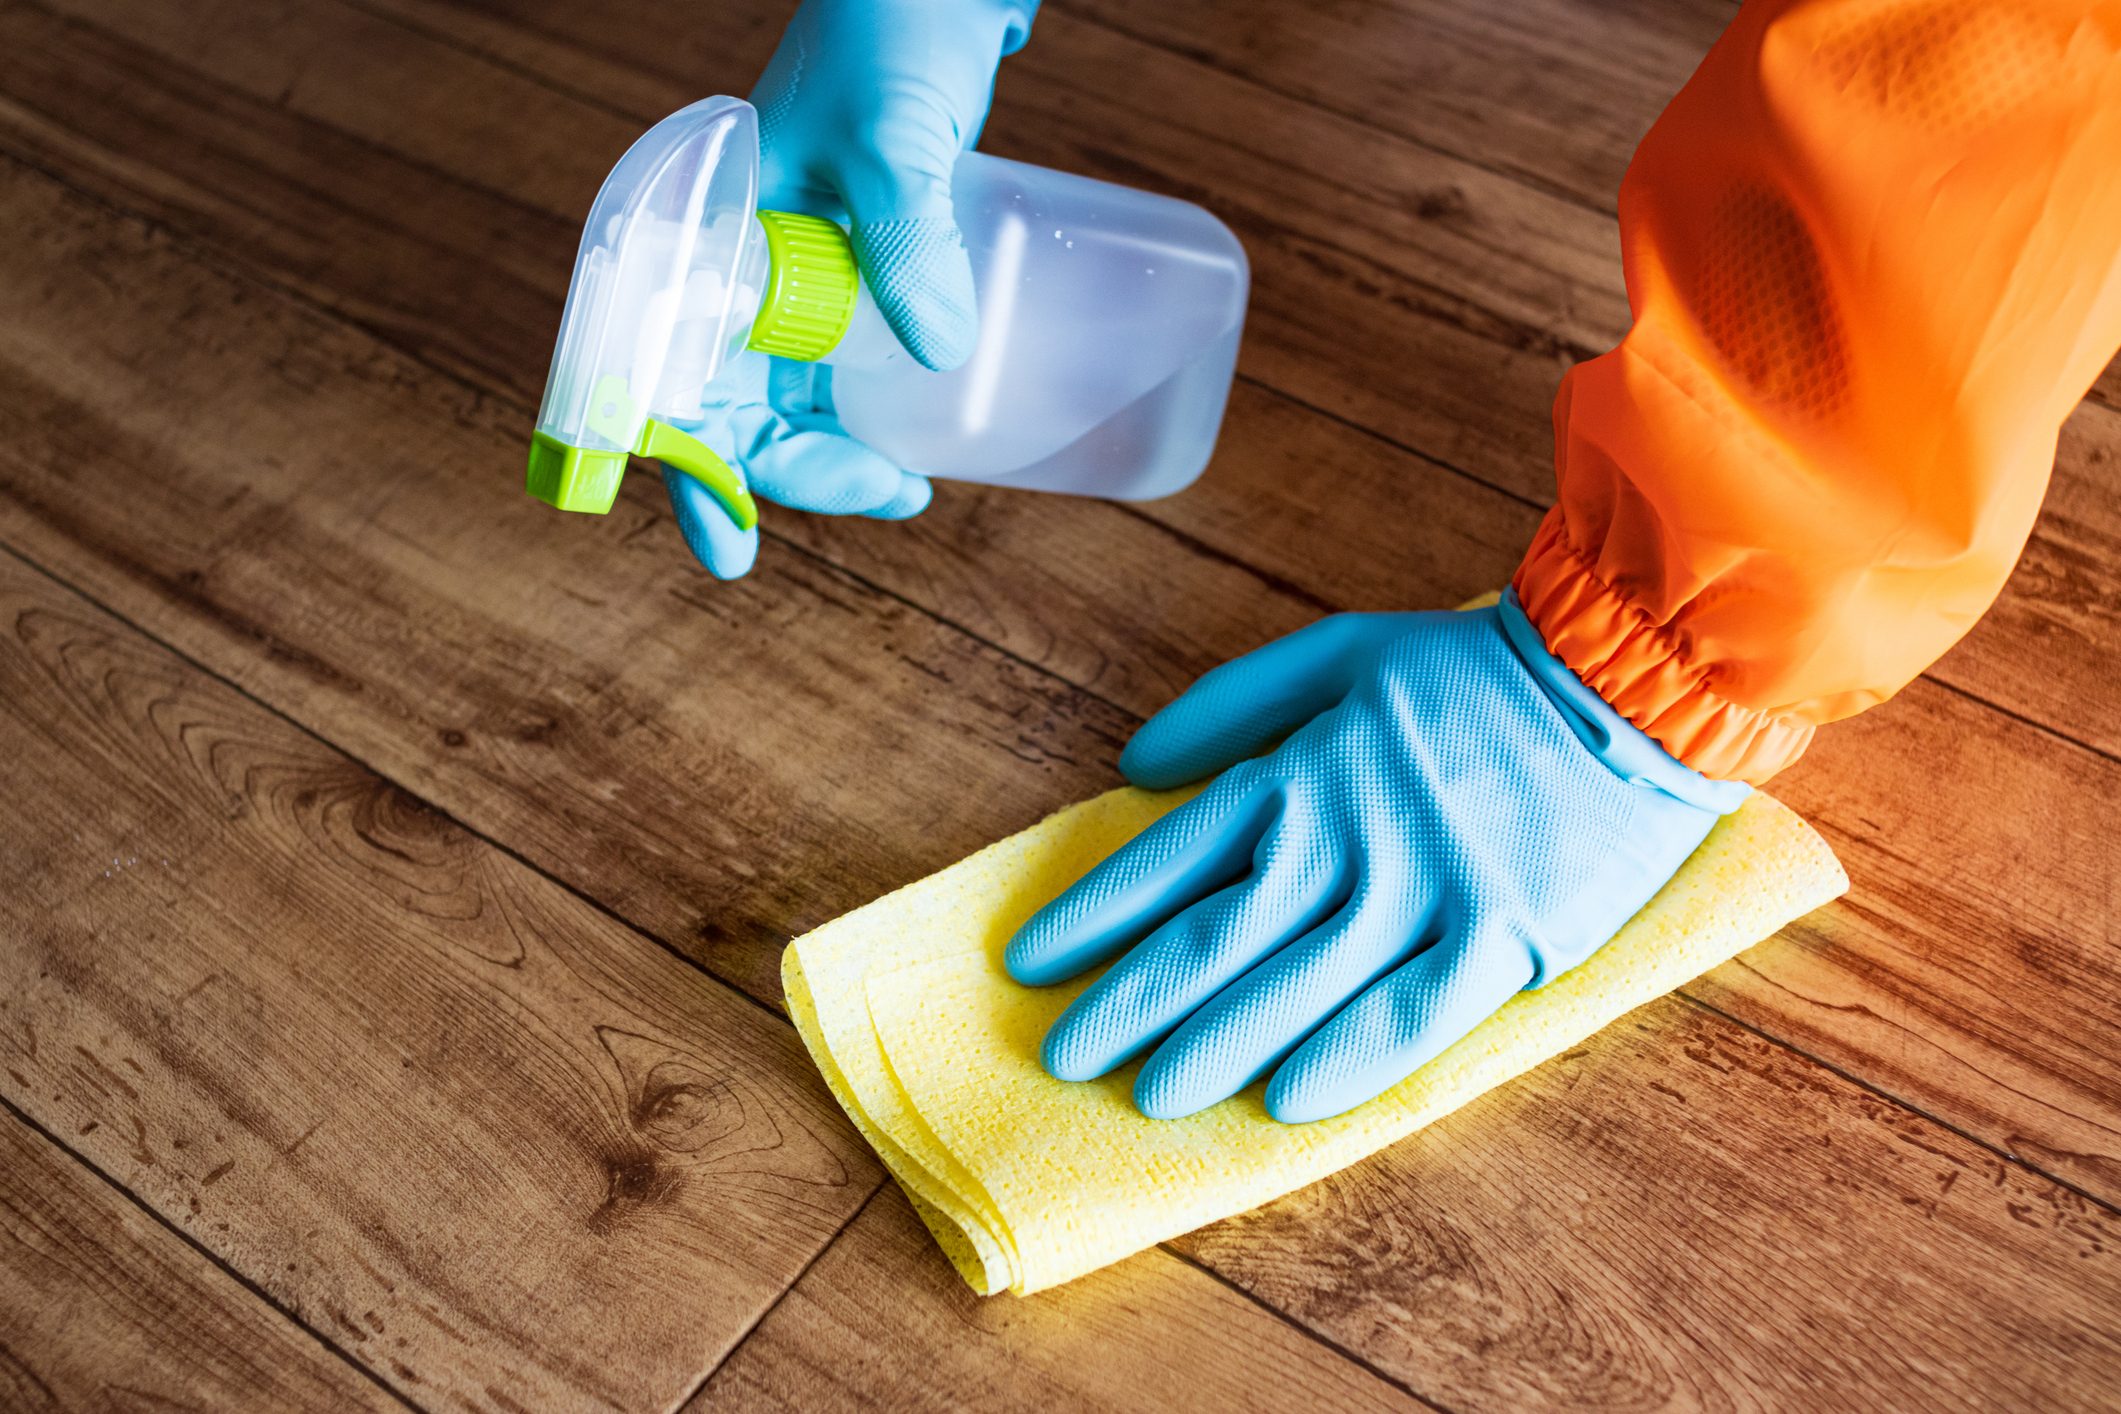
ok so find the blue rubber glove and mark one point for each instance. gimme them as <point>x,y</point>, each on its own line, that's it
<point>1455,817</point>
<point>863,111</point>
<point>773,424</point>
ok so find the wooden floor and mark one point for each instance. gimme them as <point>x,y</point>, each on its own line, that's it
<point>393,872</point>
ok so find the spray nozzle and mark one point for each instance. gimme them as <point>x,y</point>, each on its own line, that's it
<point>678,271</point>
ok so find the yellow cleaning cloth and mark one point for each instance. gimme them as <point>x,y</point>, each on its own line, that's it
<point>1028,1181</point>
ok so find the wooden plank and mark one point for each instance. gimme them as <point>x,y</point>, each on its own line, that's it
<point>1993,1001</point>
<point>1795,1243</point>
<point>461,271</point>
<point>1059,583</point>
<point>879,1323</point>
<point>101,1307</point>
<point>1554,92</point>
<point>504,1150</point>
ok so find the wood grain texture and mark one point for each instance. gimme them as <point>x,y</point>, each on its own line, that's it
<point>1554,92</point>
<point>500,1148</point>
<point>1284,526</point>
<point>101,1307</point>
<point>878,1323</point>
<point>1795,1242</point>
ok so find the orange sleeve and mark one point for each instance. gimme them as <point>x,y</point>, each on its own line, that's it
<point>1873,251</point>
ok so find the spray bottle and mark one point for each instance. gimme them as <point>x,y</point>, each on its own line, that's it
<point>1109,324</point>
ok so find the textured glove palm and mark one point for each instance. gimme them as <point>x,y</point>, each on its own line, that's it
<point>863,112</point>
<point>1452,818</point>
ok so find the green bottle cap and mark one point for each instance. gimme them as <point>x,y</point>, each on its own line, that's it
<point>809,296</point>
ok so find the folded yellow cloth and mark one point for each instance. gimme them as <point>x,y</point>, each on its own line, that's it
<point>1028,1181</point>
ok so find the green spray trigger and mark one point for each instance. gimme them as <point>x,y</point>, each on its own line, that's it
<point>587,478</point>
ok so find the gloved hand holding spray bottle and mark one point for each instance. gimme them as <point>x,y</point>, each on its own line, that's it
<point>977,318</point>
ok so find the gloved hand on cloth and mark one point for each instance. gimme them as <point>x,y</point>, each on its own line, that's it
<point>863,111</point>
<point>1453,817</point>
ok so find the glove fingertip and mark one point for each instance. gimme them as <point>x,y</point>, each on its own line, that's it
<point>1308,1087</point>
<point>735,563</point>
<point>1169,1091</point>
<point>726,552</point>
<point>1286,1104</point>
<point>1062,1057</point>
<point>940,339</point>
<point>921,278</point>
<point>1400,1024</point>
<point>1142,769</point>
<point>1163,755</point>
<point>913,495</point>
<point>1028,959</point>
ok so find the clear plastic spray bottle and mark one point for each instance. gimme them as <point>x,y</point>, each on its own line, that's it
<point>1109,323</point>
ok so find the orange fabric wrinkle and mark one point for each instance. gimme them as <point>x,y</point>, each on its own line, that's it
<point>1873,250</point>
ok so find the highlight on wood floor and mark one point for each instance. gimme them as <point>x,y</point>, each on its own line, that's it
<point>395,873</point>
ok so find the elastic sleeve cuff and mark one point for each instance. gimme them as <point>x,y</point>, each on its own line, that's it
<point>1642,669</point>
<point>1624,748</point>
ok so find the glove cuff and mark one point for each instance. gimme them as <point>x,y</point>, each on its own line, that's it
<point>1624,748</point>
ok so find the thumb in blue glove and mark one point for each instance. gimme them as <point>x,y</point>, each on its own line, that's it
<point>1452,817</point>
<point>864,109</point>
<point>771,421</point>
